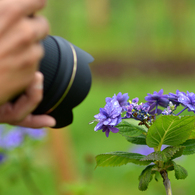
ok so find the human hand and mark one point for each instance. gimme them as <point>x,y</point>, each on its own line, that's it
<point>18,113</point>
<point>20,51</point>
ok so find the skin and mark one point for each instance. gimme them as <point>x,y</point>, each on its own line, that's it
<point>20,53</point>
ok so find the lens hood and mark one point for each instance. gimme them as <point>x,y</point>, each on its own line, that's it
<point>67,79</point>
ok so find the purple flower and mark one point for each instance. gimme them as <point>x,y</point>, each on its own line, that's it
<point>2,157</point>
<point>14,137</point>
<point>157,99</point>
<point>107,130</point>
<point>187,100</point>
<point>169,110</point>
<point>129,111</point>
<point>137,111</point>
<point>33,133</point>
<point>109,117</point>
<point>135,100</point>
<point>174,98</point>
<point>122,99</point>
<point>11,139</point>
<point>144,107</point>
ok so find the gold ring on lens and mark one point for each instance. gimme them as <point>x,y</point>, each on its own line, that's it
<point>70,82</point>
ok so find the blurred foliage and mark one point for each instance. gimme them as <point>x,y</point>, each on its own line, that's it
<point>22,169</point>
<point>130,29</point>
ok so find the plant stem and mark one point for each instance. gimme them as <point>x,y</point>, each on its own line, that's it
<point>166,182</point>
<point>146,124</point>
<point>181,111</point>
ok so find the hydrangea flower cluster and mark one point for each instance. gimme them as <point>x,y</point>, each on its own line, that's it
<point>111,115</point>
<point>137,111</point>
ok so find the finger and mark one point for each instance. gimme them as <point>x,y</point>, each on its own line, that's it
<point>37,121</point>
<point>28,7</point>
<point>21,67</point>
<point>33,29</point>
<point>29,57</point>
<point>32,121</point>
<point>24,57</point>
<point>12,10</point>
<point>23,34</point>
<point>30,100</point>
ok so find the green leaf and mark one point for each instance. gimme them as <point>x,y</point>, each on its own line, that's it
<point>173,152</point>
<point>157,176</point>
<point>119,158</point>
<point>167,154</point>
<point>155,156</point>
<point>189,147</point>
<point>145,178</point>
<point>170,130</point>
<point>192,135</point>
<point>139,140</point>
<point>127,129</point>
<point>180,172</point>
<point>169,166</point>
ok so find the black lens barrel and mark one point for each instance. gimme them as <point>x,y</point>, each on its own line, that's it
<point>67,79</point>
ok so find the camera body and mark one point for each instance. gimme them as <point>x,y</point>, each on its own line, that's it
<point>67,79</point>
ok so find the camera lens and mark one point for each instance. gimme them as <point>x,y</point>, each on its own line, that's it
<point>67,79</point>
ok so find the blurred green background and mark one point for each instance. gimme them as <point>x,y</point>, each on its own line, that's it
<point>139,46</point>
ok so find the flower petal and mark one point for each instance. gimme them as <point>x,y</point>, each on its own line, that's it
<point>98,126</point>
<point>114,129</point>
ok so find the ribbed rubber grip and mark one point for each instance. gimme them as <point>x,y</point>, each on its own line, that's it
<point>50,63</point>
